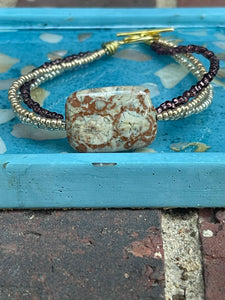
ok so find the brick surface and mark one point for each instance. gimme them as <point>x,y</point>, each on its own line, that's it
<point>108,254</point>
<point>200,3</point>
<point>212,231</point>
<point>86,3</point>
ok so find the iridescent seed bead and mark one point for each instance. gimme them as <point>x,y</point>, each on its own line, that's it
<point>168,104</point>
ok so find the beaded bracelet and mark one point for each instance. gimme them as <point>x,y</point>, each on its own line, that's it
<point>119,118</point>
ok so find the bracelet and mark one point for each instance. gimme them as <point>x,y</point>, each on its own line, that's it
<point>119,118</point>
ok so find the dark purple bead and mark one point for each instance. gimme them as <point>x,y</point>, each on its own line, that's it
<point>36,109</point>
<point>209,77</point>
<point>53,114</point>
<point>180,100</point>
<point>59,116</point>
<point>46,65</point>
<point>159,110</point>
<point>49,115</point>
<point>191,48</point>
<point>43,112</point>
<point>201,83</point>
<point>25,91</point>
<point>213,71</point>
<point>208,54</point>
<point>163,106</point>
<point>168,104</point>
<point>205,80</point>
<point>29,103</point>
<point>193,91</point>
<point>68,59</point>
<point>199,87</point>
<point>185,99</point>
<point>187,94</point>
<point>26,100</point>
<point>182,49</point>
<point>214,63</point>
<point>161,51</point>
<point>26,95</point>
<point>36,104</point>
<point>200,49</point>
<point>170,51</point>
<point>173,105</point>
<point>175,101</point>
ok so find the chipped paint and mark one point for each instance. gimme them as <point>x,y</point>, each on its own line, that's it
<point>84,36</point>
<point>39,95</point>
<point>5,84</point>
<point>51,38</point>
<point>173,39</point>
<point>218,82</point>
<point>27,69</point>
<point>221,73</point>
<point>29,132</point>
<point>221,55</point>
<point>196,32</point>
<point>220,44</point>
<point>153,88</point>
<point>6,115</point>
<point>132,54</point>
<point>145,150</point>
<point>6,62</point>
<point>171,75</point>
<point>220,36</point>
<point>3,148</point>
<point>199,147</point>
<point>56,54</point>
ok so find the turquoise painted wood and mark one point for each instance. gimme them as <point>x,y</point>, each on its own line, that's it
<point>47,173</point>
<point>117,18</point>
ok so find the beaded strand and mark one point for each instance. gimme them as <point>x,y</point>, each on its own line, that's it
<point>169,110</point>
<point>201,84</point>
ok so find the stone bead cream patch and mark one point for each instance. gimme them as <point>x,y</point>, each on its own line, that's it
<point>110,119</point>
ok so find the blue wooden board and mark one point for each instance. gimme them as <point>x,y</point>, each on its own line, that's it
<point>48,173</point>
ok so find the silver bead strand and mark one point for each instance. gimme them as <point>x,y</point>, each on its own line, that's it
<point>41,75</point>
<point>198,103</point>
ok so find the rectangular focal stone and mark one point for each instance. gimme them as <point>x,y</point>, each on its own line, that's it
<point>110,119</point>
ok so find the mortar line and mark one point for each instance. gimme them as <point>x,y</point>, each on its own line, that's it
<point>166,3</point>
<point>182,255</point>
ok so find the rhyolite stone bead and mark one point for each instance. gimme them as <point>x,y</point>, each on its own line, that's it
<point>110,119</point>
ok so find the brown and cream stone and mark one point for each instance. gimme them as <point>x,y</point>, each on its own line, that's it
<point>110,119</point>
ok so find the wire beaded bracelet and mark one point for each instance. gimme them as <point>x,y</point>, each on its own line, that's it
<point>119,118</point>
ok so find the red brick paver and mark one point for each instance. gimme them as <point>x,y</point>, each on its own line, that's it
<point>212,231</point>
<point>200,3</point>
<point>86,3</point>
<point>80,254</point>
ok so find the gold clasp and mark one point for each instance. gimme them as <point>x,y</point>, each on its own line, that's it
<point>146,36</point>
<point>142,35</point>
